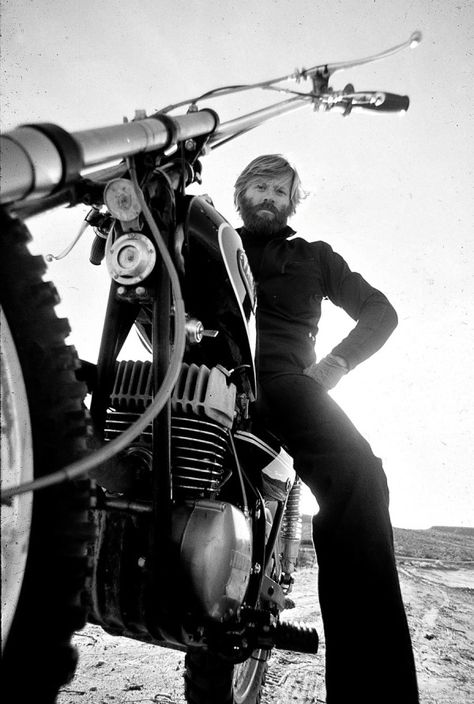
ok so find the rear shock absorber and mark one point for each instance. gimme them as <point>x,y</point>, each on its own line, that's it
<point>291,529</point>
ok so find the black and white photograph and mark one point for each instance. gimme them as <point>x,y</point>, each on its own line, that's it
<point>237,333</point>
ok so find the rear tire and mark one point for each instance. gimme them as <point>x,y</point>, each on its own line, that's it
<point>37,655</point>
<point>212,680</point>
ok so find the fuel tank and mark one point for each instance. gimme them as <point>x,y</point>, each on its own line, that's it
<point>218,287</point>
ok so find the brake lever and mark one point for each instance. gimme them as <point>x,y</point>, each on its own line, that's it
<point>325,71</point>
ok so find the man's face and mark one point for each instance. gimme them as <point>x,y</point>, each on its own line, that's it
<point>265,204</point>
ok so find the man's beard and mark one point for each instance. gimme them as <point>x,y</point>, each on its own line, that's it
<point>261,224</point>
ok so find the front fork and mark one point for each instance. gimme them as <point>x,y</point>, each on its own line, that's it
<point>121,313</point>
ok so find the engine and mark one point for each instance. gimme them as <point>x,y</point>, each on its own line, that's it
<point>209,560</point>
<point>203,405</point>
<point>210,554</point>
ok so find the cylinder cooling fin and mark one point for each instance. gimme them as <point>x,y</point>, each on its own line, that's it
<point>203,407</point>
<point>133,386</point>
<point>199,391</point>
<point>198,450</point>
<point>205,392</point>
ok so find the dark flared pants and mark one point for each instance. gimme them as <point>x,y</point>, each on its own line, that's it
<point>369,657</point>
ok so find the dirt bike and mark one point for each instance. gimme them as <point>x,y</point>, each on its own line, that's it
<point>164,510</point>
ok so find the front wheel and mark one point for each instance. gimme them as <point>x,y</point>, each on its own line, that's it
<point>44,427</point>
<point>211,680</point>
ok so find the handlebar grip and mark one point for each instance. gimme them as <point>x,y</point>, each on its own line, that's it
<point>97,250</point>
<point>392,103</point>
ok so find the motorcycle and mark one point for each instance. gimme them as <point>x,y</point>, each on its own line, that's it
<point>164,509</point>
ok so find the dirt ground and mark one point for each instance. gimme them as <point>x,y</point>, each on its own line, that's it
<point>439,599</point>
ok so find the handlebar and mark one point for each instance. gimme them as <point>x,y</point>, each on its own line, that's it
<point>38,160</point>
<point>41,160</point>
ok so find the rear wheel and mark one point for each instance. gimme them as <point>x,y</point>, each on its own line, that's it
<point>44,427</point>
<point>212,680</point>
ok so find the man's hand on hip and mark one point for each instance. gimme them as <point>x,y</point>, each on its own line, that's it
<point>328,372</point>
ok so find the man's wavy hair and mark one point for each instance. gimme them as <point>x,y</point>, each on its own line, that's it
<point>274,165</point>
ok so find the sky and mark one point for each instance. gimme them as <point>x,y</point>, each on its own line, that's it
<point>393,194</point>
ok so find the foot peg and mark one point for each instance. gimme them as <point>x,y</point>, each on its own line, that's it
<point>296,637</point>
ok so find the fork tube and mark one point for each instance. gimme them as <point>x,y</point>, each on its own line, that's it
<point>162,486</point>
<point>160,527</point>
<point>119,318</point>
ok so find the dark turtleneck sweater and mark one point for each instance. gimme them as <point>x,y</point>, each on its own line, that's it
<point>292,277</point>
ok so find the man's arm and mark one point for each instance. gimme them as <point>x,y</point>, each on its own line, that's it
<point>376,317</point>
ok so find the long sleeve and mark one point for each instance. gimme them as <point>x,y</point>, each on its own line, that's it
<point>376,317</point>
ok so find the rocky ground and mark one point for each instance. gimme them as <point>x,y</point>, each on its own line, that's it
<point>437,576</point>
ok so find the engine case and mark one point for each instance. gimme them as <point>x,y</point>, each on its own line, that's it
<point>204,572</point>
<point>214,547</point>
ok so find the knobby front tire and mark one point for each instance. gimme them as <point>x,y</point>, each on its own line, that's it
<point>47,400</point>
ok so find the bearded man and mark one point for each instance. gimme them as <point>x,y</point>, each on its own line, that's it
<point>369,656</point>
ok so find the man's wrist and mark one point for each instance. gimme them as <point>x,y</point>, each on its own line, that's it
<point>328,372</point>
<point>340,361</point>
